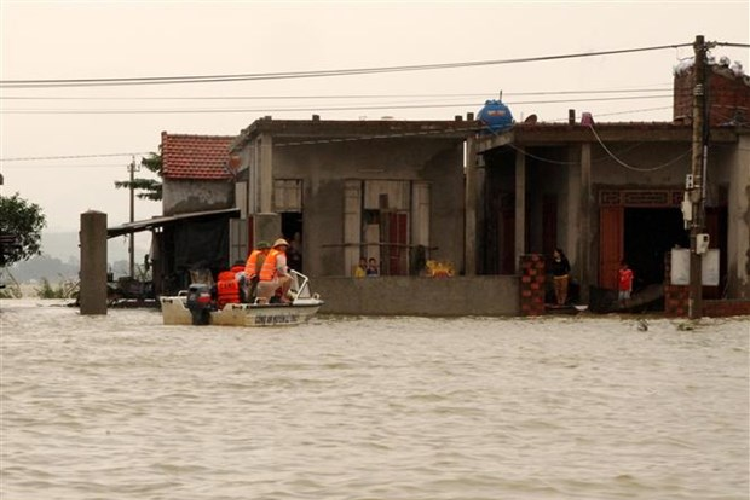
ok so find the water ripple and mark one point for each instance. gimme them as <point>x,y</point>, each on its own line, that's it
<point>122,407</point>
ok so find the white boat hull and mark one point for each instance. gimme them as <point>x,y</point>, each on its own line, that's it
<point>174,309</point>
<point>175,312</point>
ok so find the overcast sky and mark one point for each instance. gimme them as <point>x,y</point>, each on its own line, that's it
<point>74,40</point>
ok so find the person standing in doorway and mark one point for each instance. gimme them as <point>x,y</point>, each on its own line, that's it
<point>293,254</point>
<point>560,276</point>
<point>625,277</point>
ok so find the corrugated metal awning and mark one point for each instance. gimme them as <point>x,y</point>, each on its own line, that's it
<point>148,224</point>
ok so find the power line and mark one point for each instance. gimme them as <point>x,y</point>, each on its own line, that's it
<point>337,96</point>
<point>60,167</point>
<point>321,141</point>
<point>561,162</point>
<point>152,80</point>
<point>104,155</point>
<point>626,112</point>
<point>638,169</point>
<point>295,109</point>
<point>379,136</point>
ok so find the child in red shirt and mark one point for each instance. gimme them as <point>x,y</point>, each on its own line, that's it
<point>625,278</point>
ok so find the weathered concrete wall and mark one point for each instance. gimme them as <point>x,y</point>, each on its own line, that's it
<point>324,168</point>
<point>738,223</point>
<point>185,196</point>
<point>397,295</point>
<point>267,227</point>
<point>607,171</point>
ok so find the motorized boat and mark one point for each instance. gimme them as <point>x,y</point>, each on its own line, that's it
<point>200,305</point>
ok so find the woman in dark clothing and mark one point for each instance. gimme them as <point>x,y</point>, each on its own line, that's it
<point>560,275</point>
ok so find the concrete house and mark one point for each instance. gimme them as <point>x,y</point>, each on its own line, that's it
<point>612,191</point>
<point>390,190</point>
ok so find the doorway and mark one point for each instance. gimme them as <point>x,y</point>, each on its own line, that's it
<point>648,234</point>
<point>291,228</point>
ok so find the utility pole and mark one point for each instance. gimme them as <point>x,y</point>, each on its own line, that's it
<point>131,246</point>
<point>697,192</point>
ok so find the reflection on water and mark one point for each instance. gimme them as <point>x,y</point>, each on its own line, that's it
<point>123,407</point>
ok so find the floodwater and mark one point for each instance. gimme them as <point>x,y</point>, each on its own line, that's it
<point>122,407</point>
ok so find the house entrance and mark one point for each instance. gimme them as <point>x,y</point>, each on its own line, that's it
<point>291,228</point>
<point>640,226</point>
<point>649,233</point>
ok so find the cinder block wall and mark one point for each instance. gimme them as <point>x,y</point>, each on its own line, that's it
<point>401,295</point>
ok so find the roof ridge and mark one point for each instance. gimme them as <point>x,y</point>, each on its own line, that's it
<point>208,136</point>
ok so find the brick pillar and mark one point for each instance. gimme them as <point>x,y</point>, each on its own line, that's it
<point>531,288</point>
<point>675,296</point>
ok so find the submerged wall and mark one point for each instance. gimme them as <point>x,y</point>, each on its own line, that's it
<point>401,295</point>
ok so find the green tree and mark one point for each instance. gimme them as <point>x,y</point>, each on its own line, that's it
<point>150,188</point>
<point>21,224</point>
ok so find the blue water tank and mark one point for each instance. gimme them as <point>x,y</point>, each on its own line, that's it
<point>495,115</point>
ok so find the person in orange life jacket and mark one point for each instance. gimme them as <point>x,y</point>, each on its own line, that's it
<point>560,276</point>
<point>250,277</point>
<point>625,277</point>
<point>274,273</point>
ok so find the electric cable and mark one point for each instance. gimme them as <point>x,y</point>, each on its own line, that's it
<point>67,157</point>
<point>637,169</point>
<point>338,96</point>
<point>152,80</point>
<point>13,111</point>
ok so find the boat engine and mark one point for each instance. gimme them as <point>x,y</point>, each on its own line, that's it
<point>199,303</point>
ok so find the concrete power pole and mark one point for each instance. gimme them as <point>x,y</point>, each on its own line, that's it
<point>697,192</point>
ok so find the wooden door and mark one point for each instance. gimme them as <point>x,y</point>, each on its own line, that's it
<point>394,232</point>
<point>610,245</point>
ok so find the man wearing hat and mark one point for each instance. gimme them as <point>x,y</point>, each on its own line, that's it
<point>252,269</point>
<point>274,273</point>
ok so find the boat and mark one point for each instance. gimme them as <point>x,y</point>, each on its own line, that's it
<point>199,306</point>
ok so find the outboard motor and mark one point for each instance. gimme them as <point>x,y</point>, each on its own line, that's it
<point>199,303</point>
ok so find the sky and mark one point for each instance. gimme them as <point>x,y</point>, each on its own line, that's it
<point>111,39</point>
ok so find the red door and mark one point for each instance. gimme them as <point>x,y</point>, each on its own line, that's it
<point>394,260</point>
<point>610,245</point>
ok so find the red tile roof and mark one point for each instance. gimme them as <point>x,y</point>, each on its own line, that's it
<point>186,156</point>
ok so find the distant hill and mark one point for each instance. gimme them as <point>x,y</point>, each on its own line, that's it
<point>64,246</point>
<point>61,257</point>
<point>54,270</point>
<point>43,266</point>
